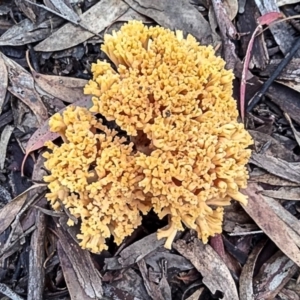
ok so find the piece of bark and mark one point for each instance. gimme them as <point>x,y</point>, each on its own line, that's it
<point>247,22</point>
<point>36,277</point>
<point>283,33</point>
<point>216,275</point>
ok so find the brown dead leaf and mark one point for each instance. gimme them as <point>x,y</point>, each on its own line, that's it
<point>155,291</point>
<point>264,216</point>
<point>97,18</point>
<point>63,9</point>
<point>284,193</point>
<point>26,32</point>
<point>278,266</point>
<point>79,263</point>
<point>274,148</point>
<point>196,295</point>
<point>259,175</point>
<point>134,252</point>
<point>216,275</point>
<point>10,210</point>
<point>296,133</point>
<point>179,15</point>
<point>246,278</point>
<point>3,82</point>
<point>74,288</point>
<point>67,89</point>
<point>22,86</point>
<point>5,136</point>
<point>277,166</point>
<point>283,214</point>
<point>29,10</point>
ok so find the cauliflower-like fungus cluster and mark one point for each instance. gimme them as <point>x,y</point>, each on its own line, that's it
<point>187,153</point>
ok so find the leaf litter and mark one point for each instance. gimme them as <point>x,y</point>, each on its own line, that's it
<point>141,268</point>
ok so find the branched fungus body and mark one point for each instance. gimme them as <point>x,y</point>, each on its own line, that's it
<point>187,154</point>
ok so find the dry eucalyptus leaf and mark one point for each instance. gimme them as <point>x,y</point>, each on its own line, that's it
<point>264,216</point>
<point>134,252</point>
<point>10,210</point>
<point>296,133</point>
<point>284,193</point>
<point>286,2</point>
<point>3,82</point>
<point>27,32</point>
<point>63,9</point>
<point>216,276</point>
<point>274,148</point>
<point>270,179</point>
<point>67,89</point>
<point>97,18</point>
<point>273,276</point>
<point>22,86</point>
<point>283,214</point>
<point>178,15</point>
<point>5,136</point>
<point>79,263</point>
<point>74,288</point>
<point>277,166</point>
<point>29,10</point>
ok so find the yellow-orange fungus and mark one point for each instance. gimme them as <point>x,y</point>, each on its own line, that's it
<point>187,154</point>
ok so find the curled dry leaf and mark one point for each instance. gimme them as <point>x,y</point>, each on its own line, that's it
<point>3,82</point>
<point>216,275</point>
<point>22,86</point>
<point>265,217</point>
<point>97,18</point>
<point>5,136</point>
<point>246,278</point>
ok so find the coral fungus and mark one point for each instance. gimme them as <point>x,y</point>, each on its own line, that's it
<point>187,155</point>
